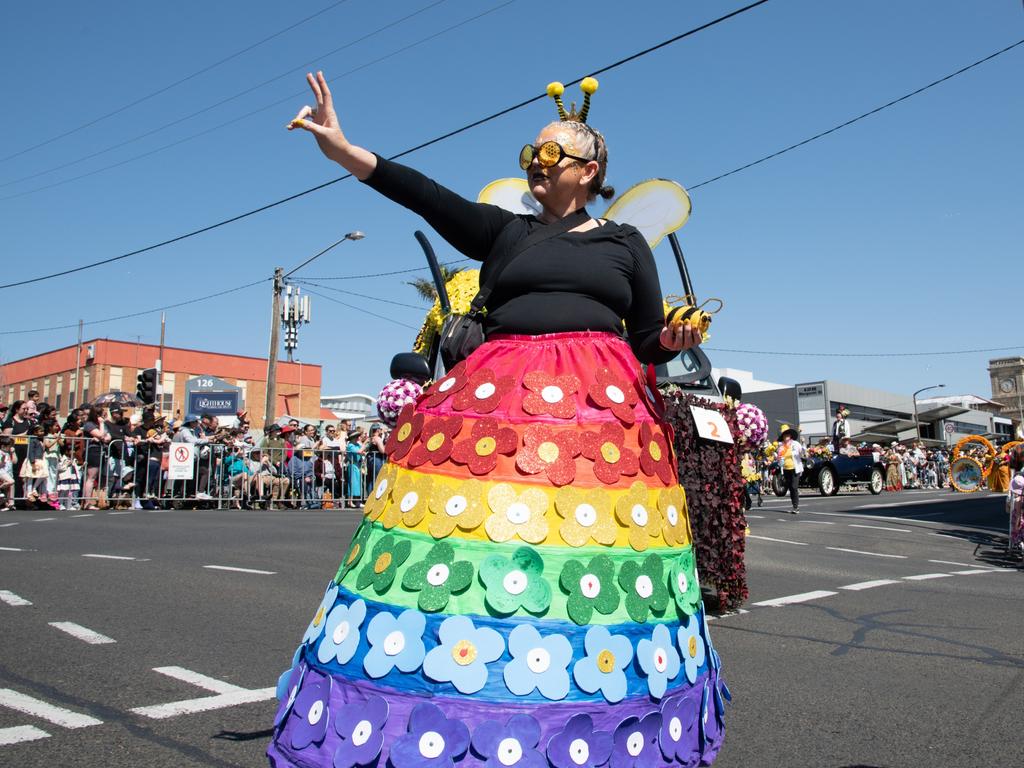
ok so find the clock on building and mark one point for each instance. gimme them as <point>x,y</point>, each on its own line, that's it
<point>1007,386</point>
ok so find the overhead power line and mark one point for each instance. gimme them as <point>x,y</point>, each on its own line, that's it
<point>176,83</point>
<point>363,310</point>
<point>416,148</point>
<point>418,308</point>
<point>389,274</point>
<point>788,353</point>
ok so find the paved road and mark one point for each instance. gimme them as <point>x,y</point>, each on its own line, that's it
<point>881,631</point>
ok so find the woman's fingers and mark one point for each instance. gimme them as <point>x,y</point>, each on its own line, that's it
<point>326,99</point>
<point>315,87</point>
<point>305,112</point>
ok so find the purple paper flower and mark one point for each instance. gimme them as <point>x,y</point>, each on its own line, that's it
<point>341,633</point>
<point>658,659</point>
<point>395,642</point>
<point>678,737</point>
<point>316,626</point>
<point>463,655</point>
<point>361,727</point>
<point>635,743</point>
<point>433,741</point>
<point>288,686</point>
<point>692,647</point>
<point>538,663</point>
<point>602,668</point>
<point>511,744</point>
<point>311,711</point>
<point>578,745</point>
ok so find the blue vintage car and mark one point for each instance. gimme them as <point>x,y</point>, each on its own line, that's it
<point>827,475</point>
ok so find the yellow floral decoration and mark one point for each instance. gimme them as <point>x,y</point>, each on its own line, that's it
<point>462,289</point>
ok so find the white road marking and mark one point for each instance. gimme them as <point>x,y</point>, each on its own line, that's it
<point>43,519</point>
<point>869,584</point>
<point>7,525</point>
<point>12,599</point>
<point>11,549</point>
<point>228,695</point>
<point>82,633</point>
<point>966,565</point>
<point>859,552</point>
<point>927,576</point>
<point>87,514</point>
<point>781,541</point>
<point>239,570</point>
<point>754,517</point>
<point>880,528</point>
<point>112,557</point>
<point>125,512</point>
<point>65,718</point>
<point>20,733</point>
<point>973,571</point>
<point>736,612</point>
<point>816,522</point>
<point>200,681</point>
<point>790,599</point>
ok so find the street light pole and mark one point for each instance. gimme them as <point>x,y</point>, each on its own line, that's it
<point>917,424</point>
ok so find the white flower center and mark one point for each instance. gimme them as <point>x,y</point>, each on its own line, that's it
<point>579,751</point>
<point>409,501</point>
<point>675,729</point>
<point>635,743</point>
<point>517,513</point>
<point>672,514</point>
<point>552,394</point>
<point>615,394</point>
<point>509,751</point>
<point>639,514</point>
<point>590,586</point>
<point>586,515</point>
<point>341,632</point>
<point>382,488</point>
<point>484,391</point>
<point>660,659</point>
<point>315,712</point>
<point>538,660</point>
<point>682,582</point>
<point>514,582</point>
<point>455,506</point>
<point>394,643</point>
<point>445,385</point>
<point>438,575</point>
<point>362,732</point>
<point>431,744</point>
<point>644,586</point>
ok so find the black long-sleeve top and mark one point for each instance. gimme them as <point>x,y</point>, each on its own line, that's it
<point>574,281</point>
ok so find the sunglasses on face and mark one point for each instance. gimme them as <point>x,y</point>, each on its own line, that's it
<point>548,154</point>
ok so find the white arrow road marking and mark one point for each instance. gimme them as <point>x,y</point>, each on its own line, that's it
<point>82,633</point>
<point>20,733</point>
<point>790,599</point>
<point>227,695</point>
<point>12,599</point>
<point>65,718</point>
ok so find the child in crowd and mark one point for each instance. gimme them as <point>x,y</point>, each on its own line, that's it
<point>6,473</point>
<point>33,469</point>
<point>53,444</point>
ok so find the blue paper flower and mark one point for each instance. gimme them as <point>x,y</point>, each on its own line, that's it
<point>463,654</point>
<point>658,659</point>
<point>433,741</point>
<point>288,690</point>
<point>316,626</point>
<point>282,682</point>
<point>540,663</point>
<point>602,668</point>
<point>678,739</point>
<point>395,642</point>
<point>360,725</point>
<point>311,711</point>
<point>341,633</point>
<point>635,742</point>
<point>509,745</point>
<point>578,745</point>
<point>692,646</point>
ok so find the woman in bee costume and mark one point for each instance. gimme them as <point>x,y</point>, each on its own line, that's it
<point>522,590</point>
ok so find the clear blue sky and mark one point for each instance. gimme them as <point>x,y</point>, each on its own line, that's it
<point>901,233</point>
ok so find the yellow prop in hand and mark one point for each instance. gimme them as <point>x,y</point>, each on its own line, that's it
<point>687,310</point>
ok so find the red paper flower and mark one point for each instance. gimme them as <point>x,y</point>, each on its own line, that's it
<point>486,441</point>
<point>616,394</point>
<point>446,386</point>
<point>654,454</point>
<point>550,394</point>
<point>403,436</point>
<point>436,440</point>
<point>547,449</point>
<point>606,448</point>
<point>483,391</point>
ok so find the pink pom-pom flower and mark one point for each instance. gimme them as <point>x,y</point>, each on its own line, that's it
<point>394,397</point>
<point>753,425</point>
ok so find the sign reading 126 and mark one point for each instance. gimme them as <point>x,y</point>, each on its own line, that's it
<point>711,425</point>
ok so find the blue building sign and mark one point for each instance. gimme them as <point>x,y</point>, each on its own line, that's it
<point>209,394</point>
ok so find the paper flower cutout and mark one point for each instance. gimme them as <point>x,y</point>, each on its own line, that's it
<point>549,450</point>
<point>692,646</point>
<point>394,397</point>
<point>674,523</point>
<point>483,392</point>
<point>312,712</point>
<point>511,744</point>
<point>355,553</point>
<point>587,515</point>
<point>678,719</point>
<point>590,587</point>
<point>635,742</point>
<point>395,641</point>
<point>615,394</point>
<point>437,577</point>
<point>606,448</point>
<point>644,585</point>
<point>341,633</point>
<point>550,394</point>
<point>516,514</point>
<point>463,655</point>
<point>410,500</point>
<point>403,436</point>
<point>316,626</point>
<point>486,442</point>
<point>377,498</point>
<point>433,741</point>
<point>643,520</point>
<point>516,583</point>
<point>360,724</point>
<point>658,659</point>
<point>578,745</point>
<point>538,663</point>
<point>463,508</point>
<point>288,686</point>
<point>388,553</point>
<point>602,668</point>
<point>446,386</point>
<point>655,456</point>
<point>436,441</point>
<point>683,580</point>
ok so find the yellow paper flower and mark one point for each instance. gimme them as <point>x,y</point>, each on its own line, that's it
<point>378,497</point>
<point>517,514</point>
<point>463,507</point>
<point>409,500</point>
<point>634,511</point>
<point>675,525</point>
<point>587,515</point>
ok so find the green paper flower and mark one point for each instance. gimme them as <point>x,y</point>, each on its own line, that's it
<point>437,576</point>
<point>355,552</point>
<point>516,583</point>
<point>388,553</point>
<point>590,587</point>
<point>683,579</point>
<point>643,581</point>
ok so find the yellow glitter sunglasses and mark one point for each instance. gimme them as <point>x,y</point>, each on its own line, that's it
<point>548,154</point>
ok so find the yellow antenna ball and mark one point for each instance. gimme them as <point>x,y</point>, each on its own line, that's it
<point>588,85</point>
<point>555,89</point>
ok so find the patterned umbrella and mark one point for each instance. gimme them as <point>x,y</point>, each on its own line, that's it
<point>117,397</point>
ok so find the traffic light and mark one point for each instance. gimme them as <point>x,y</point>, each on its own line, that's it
<point>145,389</point>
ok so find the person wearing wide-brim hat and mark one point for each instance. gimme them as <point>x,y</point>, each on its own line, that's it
<point>791,455</point>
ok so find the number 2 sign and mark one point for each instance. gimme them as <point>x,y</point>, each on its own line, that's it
<point>711,425</point>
